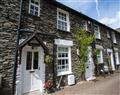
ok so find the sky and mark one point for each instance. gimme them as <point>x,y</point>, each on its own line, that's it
<point>105,11</point>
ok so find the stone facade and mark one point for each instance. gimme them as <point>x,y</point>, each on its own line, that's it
<point>9,11</point>
<point>117,44</point>
<point>46,26</point>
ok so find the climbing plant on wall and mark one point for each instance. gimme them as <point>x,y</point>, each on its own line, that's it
<point>83,40</point>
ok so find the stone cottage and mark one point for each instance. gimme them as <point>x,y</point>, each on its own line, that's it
<point>30,29</point>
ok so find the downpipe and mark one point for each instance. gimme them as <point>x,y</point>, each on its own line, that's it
<point>16,50</point>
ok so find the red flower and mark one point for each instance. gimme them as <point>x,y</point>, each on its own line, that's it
<point>48,84</point>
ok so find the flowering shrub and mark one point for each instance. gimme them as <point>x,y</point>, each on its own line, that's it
<point>48,86</point>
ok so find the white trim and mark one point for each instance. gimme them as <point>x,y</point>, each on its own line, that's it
<point>63,42</point>
<point>117,56</point>
<point>21,40</point>
<point>19,86</point>
<point>99,36</point>
<point>116,49</point>
<point>89,74</point>
<point>67,17</point>
<point>112,58</point>
<point>19,81</point>
<point>108,34</point>
<point>114,37</point>
<point>64,73</point>
<point>99,47</point>
<point>85,25</point>
<point>101,56</point>
<point>101,52</point>
<point>36,6</point>
<point>69,63</point>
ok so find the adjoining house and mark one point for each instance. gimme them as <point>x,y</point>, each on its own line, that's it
<point>47,26</point>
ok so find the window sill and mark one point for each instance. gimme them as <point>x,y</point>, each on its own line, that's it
<point>100,62</point>
<point>115,43</point>
<point>34,16</point>
<point>63,31</point>
<point>98,38</point>
<point>64,73</point>
<point>88,31</point>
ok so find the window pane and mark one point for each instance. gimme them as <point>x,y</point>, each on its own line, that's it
<point>59,62</point>
<point>97,34</point>
<point>34,7</point>
<point>31,12</point>
<point>108,34</point>
<point>99,56</point>
<point>29,61</point>
<point>63,64</point>
<point>99,59</point>
<point>59,54</point>
<point>35,64</point>
<point>63,55</point>
<point>36,13</point>
<point>62,21</point>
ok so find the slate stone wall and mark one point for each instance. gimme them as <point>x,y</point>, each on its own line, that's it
<point>45,23</point>
<point>9,10</point>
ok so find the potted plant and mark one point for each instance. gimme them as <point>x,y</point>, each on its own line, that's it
<point>48,86</point>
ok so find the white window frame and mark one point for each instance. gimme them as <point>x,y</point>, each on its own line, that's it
<point>98,31</point>
<point>85,25</point>
<point>117,57</point>
<point>69,61</point>
<point>67,17</point>
<point>30,3</point>
<point>101,56</point>
<point>108,34</point>
<point>114,37</point>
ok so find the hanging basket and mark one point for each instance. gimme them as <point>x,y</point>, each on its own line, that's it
<point>48,59</point>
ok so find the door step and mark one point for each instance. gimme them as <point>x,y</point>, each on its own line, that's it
<point>92,78</point>
<point>33,93</point>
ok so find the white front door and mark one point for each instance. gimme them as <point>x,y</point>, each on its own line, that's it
<point>90,66</point>
<point>31,69</point>
<point>117,58</point>
<point>111,61</point>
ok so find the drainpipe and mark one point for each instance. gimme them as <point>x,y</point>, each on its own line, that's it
<point>112,46</point>
<point>16,51</point>
<point>54,63</point>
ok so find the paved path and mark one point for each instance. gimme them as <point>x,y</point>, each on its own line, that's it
<point>102,86</point>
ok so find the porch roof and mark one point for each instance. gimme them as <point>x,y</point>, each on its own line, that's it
<point>37,38</point>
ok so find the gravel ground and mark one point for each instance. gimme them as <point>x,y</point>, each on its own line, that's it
<point>109,85</point>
